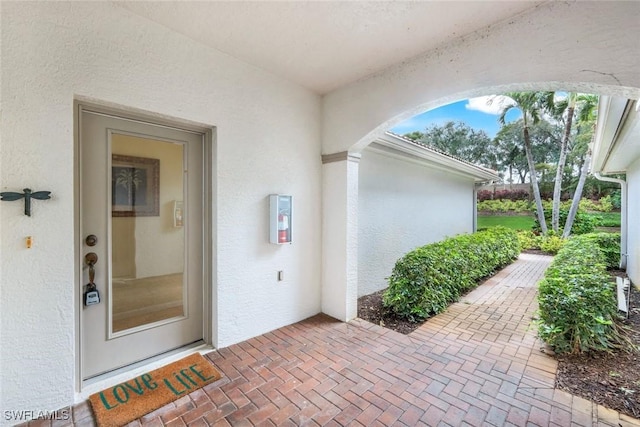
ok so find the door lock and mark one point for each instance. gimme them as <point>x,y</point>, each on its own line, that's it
<point>91,240</point>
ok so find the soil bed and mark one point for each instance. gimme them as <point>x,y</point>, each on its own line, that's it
<point>370,309</point>
<point>611,380</point>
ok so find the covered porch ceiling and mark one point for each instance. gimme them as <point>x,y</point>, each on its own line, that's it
<point>325,45</point>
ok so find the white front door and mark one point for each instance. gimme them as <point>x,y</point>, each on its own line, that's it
<point>141,217</point>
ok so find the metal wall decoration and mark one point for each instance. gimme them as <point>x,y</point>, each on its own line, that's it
<point>27,194</point>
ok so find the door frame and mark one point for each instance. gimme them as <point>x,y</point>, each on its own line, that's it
<point>209,250</point>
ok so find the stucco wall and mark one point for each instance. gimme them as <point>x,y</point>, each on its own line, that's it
<point>579,46</point>
<point>633,225</point>
<point>403,205</point>
<point>267,142</point>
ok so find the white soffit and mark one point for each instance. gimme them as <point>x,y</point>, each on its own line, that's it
<point>326,44</point>
<point>617,143</point>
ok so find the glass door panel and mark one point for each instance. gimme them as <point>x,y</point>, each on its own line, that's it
<point>147,232</point>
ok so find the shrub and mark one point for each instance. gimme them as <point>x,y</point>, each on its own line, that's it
<point>583,222</point>
<point>504,205</point>
<point>616,199</point>
<point>511,194</point>
<point>551,243</point>
<point>483,195</point>
<point>606,204</point>
<point>529,240</point>
<point>609,245</point>
<point>587,205</point>
<point>578,310</point>
<point>502,194</point>
<point>426,280</point>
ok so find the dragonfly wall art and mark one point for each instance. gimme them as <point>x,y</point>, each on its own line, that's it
<point>27,194</point>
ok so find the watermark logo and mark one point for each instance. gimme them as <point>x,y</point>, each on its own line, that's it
<point>22,415</point>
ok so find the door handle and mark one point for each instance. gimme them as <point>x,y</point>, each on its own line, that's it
<point>91,259</point>
<point>91,295</point>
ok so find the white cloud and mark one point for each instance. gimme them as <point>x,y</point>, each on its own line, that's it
<point>559,96</point>
<point>492,104</point>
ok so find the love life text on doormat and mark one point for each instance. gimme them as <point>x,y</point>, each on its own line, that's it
<point>127,401</point>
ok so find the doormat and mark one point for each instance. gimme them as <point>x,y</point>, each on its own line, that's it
<point>125,402</point>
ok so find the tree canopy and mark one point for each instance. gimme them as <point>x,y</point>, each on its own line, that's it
<point>460,140</point>
<point>547,146</point>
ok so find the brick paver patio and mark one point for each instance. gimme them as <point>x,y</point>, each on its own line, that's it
<point>477,364</point>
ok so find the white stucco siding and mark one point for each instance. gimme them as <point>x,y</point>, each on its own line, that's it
<point>633,225</point>
<point>267,142</point>
<point>403,205</point>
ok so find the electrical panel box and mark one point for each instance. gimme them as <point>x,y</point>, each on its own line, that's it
<point>280,219</point>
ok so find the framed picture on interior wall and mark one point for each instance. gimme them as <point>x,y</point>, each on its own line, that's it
<point>135,186</point>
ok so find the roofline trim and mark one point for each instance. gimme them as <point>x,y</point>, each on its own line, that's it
<point>429,155</point>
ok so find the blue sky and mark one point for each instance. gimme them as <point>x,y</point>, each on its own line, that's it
<point>475,112</point>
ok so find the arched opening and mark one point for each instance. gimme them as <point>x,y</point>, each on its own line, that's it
<point>550,47</point>
<point>345,172</point>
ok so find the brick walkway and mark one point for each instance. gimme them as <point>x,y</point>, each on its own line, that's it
<point>477,364</point>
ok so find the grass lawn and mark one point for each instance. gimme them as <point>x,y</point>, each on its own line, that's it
<point>525,222</point>
<point>516,222</point>
<point>609,219</point>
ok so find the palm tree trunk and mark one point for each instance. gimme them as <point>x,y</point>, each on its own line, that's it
<point>534,182</point>
<point>557,188</point>
<point>577,195</point>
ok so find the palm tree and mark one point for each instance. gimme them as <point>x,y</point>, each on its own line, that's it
<point>129,178</point>
<point>567,105</point>
<point>587,115</point>
<point>531,105</point>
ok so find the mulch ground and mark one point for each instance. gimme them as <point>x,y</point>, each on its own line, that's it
<point>370,309</point>
<point>611,380</point>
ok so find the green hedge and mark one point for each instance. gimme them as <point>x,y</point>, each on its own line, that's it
<point>426,280</point>
<point>609,244</point>
<point>578,308</point>
<point>582,224</point>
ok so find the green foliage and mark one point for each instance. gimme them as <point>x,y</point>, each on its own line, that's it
<point>578,310</point>
<point>587,205</point>
<point>509,147</point>
<point>460,140</point>
<point>515,222</point>
<point>609,219</point>
<point>583,223</point>
<point>551,243</point>
<point>529,240</point>
<point>616,199</point>
<point>415,135</point>
<point>609,245</point>
<point>606,204</point>
<point>504,205</point>
<point>426,280</point>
